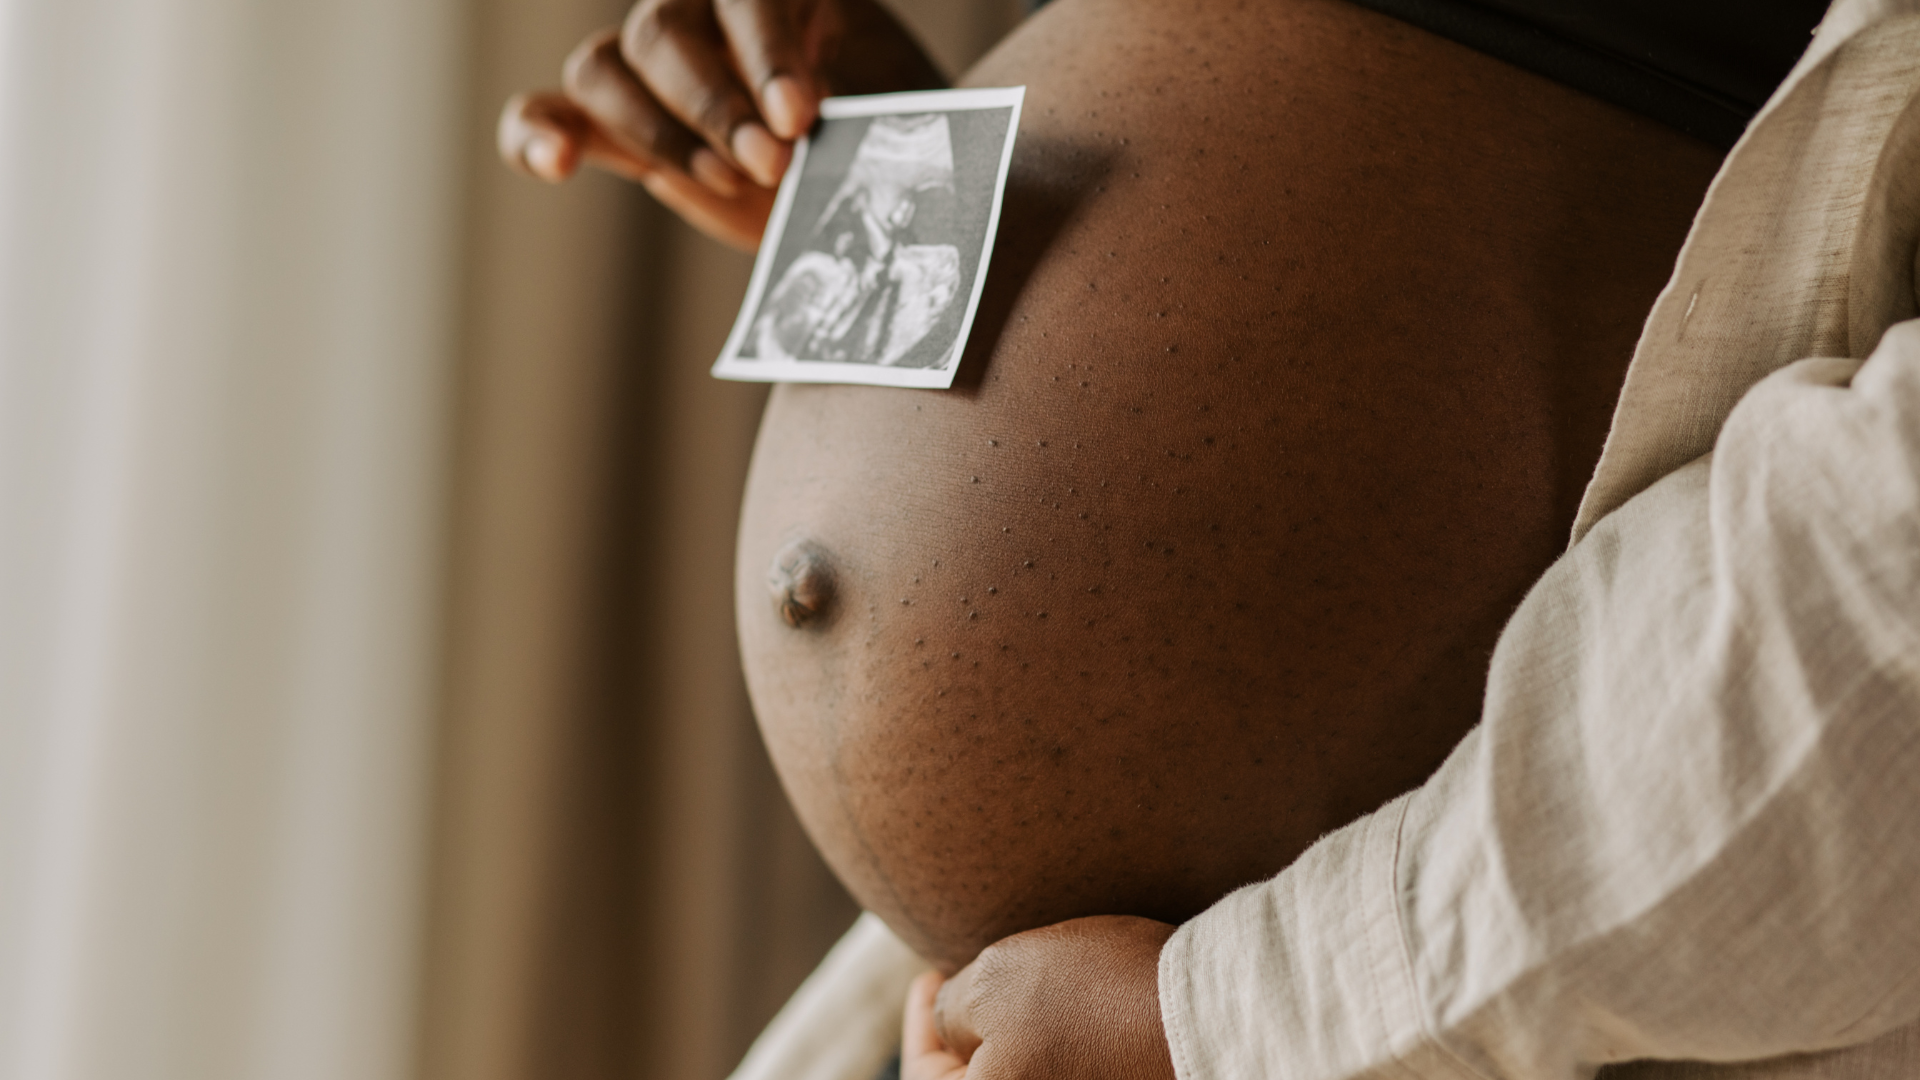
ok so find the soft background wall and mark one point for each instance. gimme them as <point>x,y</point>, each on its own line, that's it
<point>368,697</point>
<point>228,288</point>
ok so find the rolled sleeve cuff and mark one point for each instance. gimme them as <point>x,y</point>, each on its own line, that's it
<point>1304,976</point>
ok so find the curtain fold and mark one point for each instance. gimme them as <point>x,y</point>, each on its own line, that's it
<point>227,244</point>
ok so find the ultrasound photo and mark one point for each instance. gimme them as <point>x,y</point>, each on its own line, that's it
<point>878,246</point>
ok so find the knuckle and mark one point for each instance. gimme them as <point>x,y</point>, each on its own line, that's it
<point>642,31</point>
<point>763,34</point>
<point>755,10</point>
<point>591,61</point>
<point>713,110</point>
<point>654,22</point>
<point>659,139</point>
<point>989,973</point>
<point>995,957</point>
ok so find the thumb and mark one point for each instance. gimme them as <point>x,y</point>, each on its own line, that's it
<point>923,1054</point>
<point>953,1013</point>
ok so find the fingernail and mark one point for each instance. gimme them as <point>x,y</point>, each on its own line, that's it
<point>763,155</point>
<point>786,106</point>
<point>712,170</point>
<point>543,157</point>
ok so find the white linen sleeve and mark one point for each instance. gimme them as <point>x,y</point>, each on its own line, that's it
<point>844,1021</point>
<point>1688,826</point>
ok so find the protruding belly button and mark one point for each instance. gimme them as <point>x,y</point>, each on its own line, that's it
<point>801,582</point>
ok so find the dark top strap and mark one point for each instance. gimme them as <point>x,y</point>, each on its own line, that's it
<point>1702,66</point>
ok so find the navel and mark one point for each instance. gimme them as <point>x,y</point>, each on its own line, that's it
<point>801,583</point>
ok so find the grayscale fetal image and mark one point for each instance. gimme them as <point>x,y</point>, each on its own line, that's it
<point>876,258</point>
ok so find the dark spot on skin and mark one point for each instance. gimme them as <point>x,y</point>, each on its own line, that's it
<point>801,582</point>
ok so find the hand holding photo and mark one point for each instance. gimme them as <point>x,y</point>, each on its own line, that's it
<point>878,245</point>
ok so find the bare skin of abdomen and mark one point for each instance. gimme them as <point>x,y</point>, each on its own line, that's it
<point>1302,337</point>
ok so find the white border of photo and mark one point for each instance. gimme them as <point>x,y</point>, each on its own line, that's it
<point>732,366</point>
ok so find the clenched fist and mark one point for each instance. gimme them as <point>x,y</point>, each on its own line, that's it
<point>1079,1000</point>
<point>700,100</point>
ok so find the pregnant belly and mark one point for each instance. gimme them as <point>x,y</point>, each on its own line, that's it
<point>1301,338</point>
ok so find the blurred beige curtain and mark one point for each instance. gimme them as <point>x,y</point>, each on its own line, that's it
<point>228,253</point>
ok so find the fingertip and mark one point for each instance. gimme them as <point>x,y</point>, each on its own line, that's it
<point>789,108</point>
<point>764,156</point>
<point>510,131</point>
<point>547,158</point>
<point>657,186</point>
<point>710,169</point>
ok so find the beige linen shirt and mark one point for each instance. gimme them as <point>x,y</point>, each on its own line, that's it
<point>1688,825</point>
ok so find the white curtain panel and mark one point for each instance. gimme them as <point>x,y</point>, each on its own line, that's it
<point>227,259</point>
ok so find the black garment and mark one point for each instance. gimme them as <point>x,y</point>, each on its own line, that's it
<point>1702,66</point>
